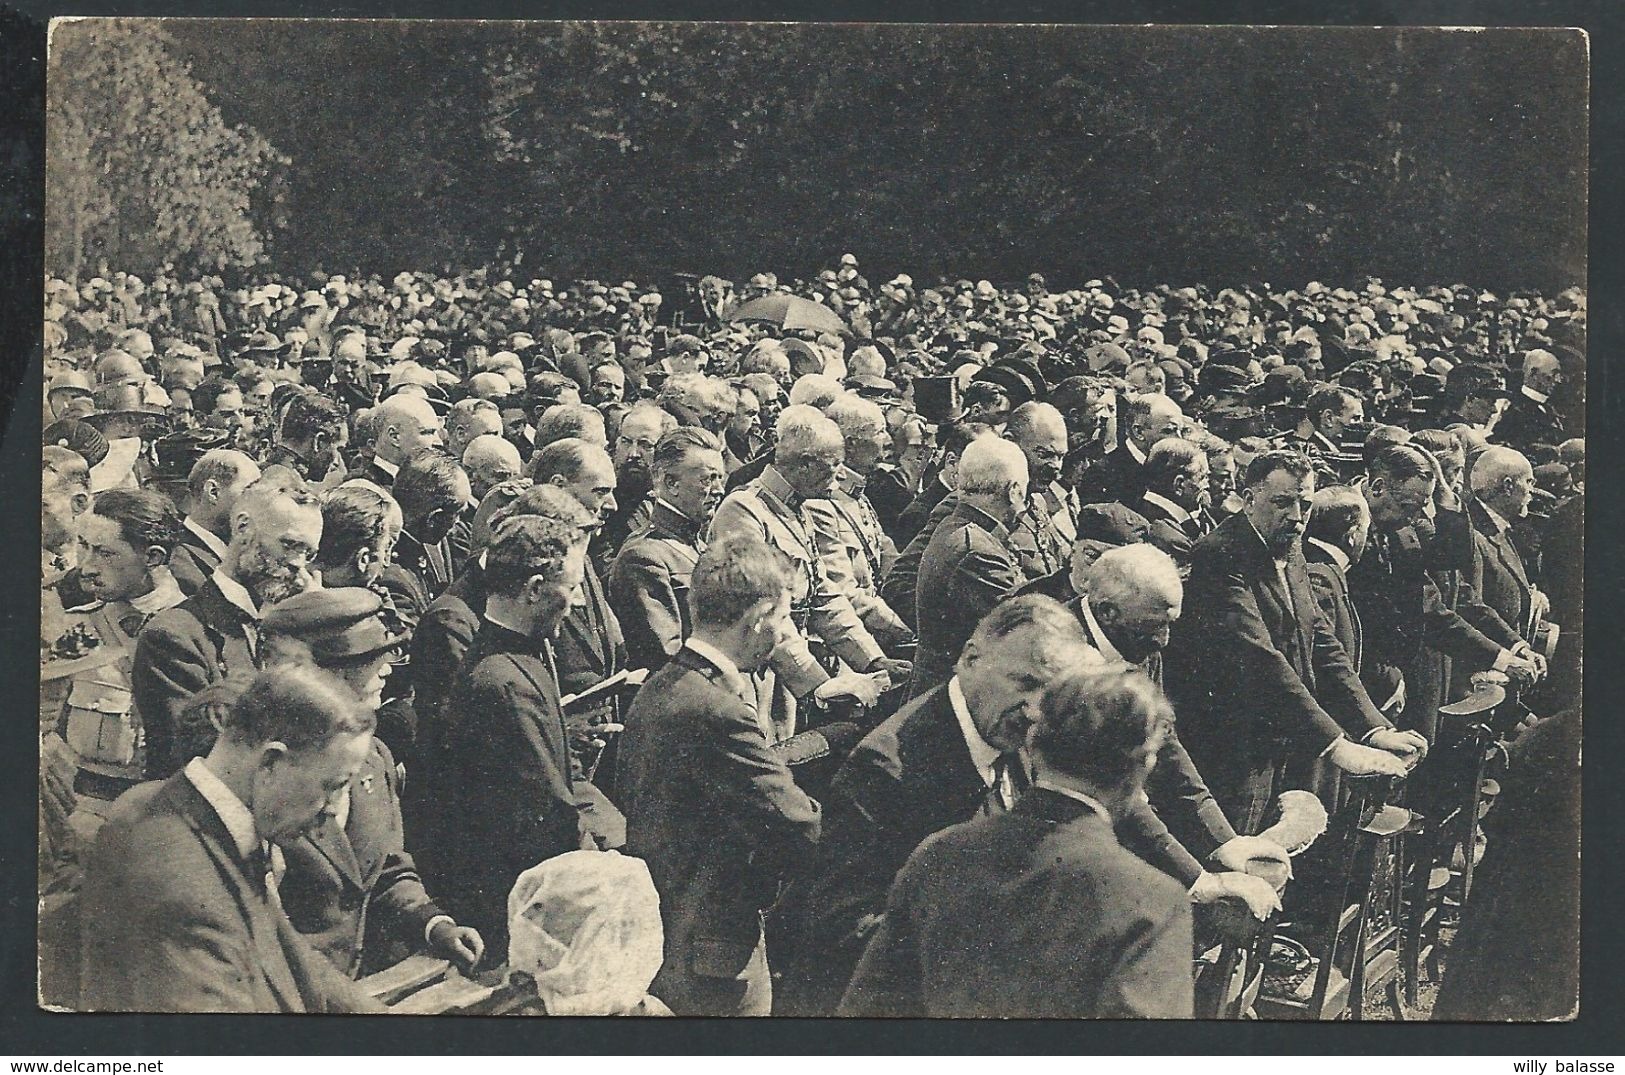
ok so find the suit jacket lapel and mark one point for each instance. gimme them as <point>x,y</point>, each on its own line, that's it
<point>334,843</point>
<point>258,911</point>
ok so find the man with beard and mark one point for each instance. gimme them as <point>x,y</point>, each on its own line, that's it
<point>351,888</point>
<point>1176,490</point>
<point>213,636</point>
<point>180,908</point>
<point>1255,671</point>
<point>1042,534</point>
<point>508,792</point>
<point>310,437</point>
<point>648,584</point>
<point>633,451</point>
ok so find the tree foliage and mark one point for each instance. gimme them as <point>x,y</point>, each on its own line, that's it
<point>1176,153</point>
<point>141,167</point>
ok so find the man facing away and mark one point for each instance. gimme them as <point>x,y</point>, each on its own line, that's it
<point>710,807</point>
<point>1039,912</point>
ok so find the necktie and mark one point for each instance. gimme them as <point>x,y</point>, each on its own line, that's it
<point>1009,781</point>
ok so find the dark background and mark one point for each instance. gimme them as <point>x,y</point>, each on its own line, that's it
<point>1173,154</point>
<point>1599,1029</point>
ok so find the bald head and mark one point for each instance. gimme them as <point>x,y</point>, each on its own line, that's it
<point>1040,432</point>
<point>213,486</point>
<point>490,460</point>
<point>1151,418</point>
<point>1503,481</point>
<point>1542,371</point>
<point>403,425</point>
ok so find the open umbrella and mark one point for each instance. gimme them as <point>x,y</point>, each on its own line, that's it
<point>791,312</point>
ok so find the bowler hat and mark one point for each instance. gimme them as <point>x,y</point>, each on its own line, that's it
<point>339,625</point>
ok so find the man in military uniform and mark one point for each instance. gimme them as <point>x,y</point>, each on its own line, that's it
<point>648,583</point>
<point>856,552</point>
<point>350,886</point>
<point>1039,535</point>
<point>93,729</point>
<point>806,459</point>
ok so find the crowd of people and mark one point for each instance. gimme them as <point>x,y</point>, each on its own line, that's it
<point>941,650</point>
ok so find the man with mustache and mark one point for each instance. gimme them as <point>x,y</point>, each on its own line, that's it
<point>1255,670</point>
<point>633,450</point>
<point>213,636</point>
<point>1041,535</point>
<point>648,584</point>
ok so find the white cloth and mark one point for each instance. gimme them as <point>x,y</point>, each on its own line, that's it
<point>1339,557</point>
<point>236,817</point>
<point>1180,514</point>
<point>235,592</point>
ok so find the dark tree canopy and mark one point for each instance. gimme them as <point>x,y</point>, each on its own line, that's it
<point>1175,154</point>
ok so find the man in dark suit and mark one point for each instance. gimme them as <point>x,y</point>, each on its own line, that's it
<point>509,794</point>
<point>1132,597</point>
<point>1120,476</point>
<point>213,636</point>
<point>709,806</point>
<point>351,888</point>
<point>1039,912</point>
<point>1503,484</point>
<point>212,487</point>
<point>1176,489</point>
<point>403,425</point>
<point>180,909</point>
<point>1254,670</point>
<point>938,483</point>
<point>968,568</point>
<point>648,583</point>
<point>1530,417</point>
<point>942,758</point>
<point>1404,614</point>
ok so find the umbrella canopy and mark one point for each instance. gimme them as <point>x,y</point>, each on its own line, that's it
<point>791,312</point>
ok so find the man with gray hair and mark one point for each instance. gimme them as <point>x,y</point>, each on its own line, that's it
<point>806,459</point>
<point>856,551</point>
<point>469,419</point>
<point>950,754</point>
<point>1120,476</point>
<point>1530,416</point>
<point>968,567</point>
<point>1176,491</point>
<point>1503,484</point>
<point>1132,598</point>
<point>401,426</point>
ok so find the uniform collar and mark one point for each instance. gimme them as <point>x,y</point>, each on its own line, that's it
<point>773,482</point>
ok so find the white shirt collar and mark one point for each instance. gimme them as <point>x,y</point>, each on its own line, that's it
<point>1087,800</point>
<point>1134,450</point>
<point>982,753</point>
<point>1339,557</point>
<point>1180,514</point>
<point>714,655</point>
<point>235,592</point>
<point>165,593</point>
<point>207,536</point>
<point>1102,643</point>
<point>1538,397</point>
<point>237,818</point>
<point>386,466</point>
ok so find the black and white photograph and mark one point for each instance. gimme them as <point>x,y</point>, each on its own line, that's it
<point>847,520</point>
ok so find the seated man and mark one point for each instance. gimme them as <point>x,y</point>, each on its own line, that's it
<point>180,911</point>
<point>351,888</point>
<point>1039,912</point>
